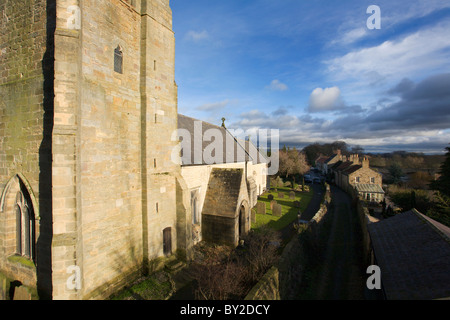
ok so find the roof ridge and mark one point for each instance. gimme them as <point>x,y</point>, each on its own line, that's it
<point>427,219</point>
<point>195,119</point>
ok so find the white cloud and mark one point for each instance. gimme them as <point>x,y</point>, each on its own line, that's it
<point>350,36</point>
<point>197,36</point>
<point>277,85</point>
<point>327,99</point>
<point>424,50</point>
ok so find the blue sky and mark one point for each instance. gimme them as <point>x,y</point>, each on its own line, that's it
<point>316,72</point>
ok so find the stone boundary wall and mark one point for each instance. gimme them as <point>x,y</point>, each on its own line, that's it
<point>281,281</point>
<point>364,219</point>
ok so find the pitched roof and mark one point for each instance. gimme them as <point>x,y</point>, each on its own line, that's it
<point>351,169</point>
<point>331,158</point>
<point>224,188</point>
<point>336,165</point>
<point>413,255</point>
<point>232,149</point>
<point>343,166</point>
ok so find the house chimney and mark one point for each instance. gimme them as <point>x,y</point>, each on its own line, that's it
<point>365,162</point>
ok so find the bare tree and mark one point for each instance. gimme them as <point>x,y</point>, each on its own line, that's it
<point>219,277</point>
<point>292,162</point>
<point>260,252</point>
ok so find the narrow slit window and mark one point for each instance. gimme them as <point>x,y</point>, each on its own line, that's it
<point>118,60</point>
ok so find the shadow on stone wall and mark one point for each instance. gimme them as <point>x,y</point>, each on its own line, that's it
<point>44,262</point>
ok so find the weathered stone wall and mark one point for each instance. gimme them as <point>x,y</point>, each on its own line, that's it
<point>159,100</point>
<point>108,144</point>
<point>365,175</point>
<point>26,69</point>
<point>93,145</point>
<point>124,185</point>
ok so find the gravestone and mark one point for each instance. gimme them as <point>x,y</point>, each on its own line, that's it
<point>281,195</point>
<point>292,195</point>
<point>276,211</point>
<point>270,197</point>
<point>272,203</point>
<point>254,215</point>
<point>261,208</point>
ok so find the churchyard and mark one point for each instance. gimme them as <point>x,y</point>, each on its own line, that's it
<point>279,207</point>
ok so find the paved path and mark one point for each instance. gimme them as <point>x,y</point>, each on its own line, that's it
<point>314,205</point>
<point>341,277</point>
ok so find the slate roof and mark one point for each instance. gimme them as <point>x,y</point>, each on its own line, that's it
<point>351,169</point>
<point>413,253</point>
<point>343,166</point>
<point>336,165</point>
<point>233,150</point>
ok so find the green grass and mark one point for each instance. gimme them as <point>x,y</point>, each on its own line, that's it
<point>149,289</point>
<point>288,213</point>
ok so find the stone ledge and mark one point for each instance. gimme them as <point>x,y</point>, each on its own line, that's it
<point>22,261</point>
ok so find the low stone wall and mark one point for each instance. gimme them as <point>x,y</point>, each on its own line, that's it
<point>364,220</point>
<point>267,288</point>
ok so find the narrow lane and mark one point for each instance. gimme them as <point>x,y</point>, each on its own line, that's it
<point>341,275</point>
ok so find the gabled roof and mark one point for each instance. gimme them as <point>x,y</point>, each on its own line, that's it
<point>233,150</point>
<point>331,158</point>
<point>224,188</point>
<point>413,253</point>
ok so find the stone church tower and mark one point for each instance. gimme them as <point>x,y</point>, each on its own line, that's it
<point>88,105</point>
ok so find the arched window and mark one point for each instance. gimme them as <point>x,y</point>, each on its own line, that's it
<point>118,60</point>
<point>24,226</point>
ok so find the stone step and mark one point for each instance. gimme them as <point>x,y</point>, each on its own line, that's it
<point>174,265</point>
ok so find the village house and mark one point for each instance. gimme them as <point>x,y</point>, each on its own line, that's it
<point>352,173</point>
<point>330,161</point>
<point>320,163</point>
